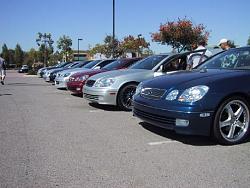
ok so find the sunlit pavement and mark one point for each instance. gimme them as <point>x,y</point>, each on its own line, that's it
<point>49,138</point>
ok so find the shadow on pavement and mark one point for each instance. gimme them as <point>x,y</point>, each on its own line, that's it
<point>77,95</point>
<point>25,84</point>
<point>5,94</point>
<point>190,140</point>
<point>104,107</point>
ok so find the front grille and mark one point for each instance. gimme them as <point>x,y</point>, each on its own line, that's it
<point>152,93</point>
<point>154,117</point>
<point>91,97</point>
<point>90,83</point>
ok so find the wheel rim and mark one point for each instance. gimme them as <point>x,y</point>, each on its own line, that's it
<point>127,97</point>
<point>234,120</point>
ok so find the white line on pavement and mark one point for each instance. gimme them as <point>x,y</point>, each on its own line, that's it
<point>161,142</point>
<point>94,111</point>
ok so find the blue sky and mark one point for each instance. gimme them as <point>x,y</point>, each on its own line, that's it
<point>92,19</point>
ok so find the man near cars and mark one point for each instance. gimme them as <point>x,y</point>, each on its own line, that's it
<point>195,59</point>
<point>224,44</point>
<point>2,70</point>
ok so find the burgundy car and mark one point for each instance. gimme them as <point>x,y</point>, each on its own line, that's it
<point>77,80</point>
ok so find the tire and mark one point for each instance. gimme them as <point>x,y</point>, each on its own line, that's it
<point>231,122</point>
<point>125,95</point>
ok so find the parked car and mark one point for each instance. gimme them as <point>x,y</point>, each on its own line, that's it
<point>24,69</point>
<point>62,79</point>
<point>49,73</point>
<point>213,99</point>
<point>77,80</point>
<point>76,66</point>
<point>43,71</point>
<point>117,87</point>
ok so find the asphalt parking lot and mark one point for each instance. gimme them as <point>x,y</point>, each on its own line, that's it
<point>49,138</point>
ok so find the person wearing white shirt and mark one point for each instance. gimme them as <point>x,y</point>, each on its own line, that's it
<point>196,58</point>
<point>2,70</point>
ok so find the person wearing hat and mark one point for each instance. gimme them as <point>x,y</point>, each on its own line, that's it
<point>224,44</point>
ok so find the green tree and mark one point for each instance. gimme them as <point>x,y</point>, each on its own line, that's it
<point>5,53</point>
<point>248,41</point>
<point>11,57</point>
<point>64,44</point>
<point>134,45</point>
<point>31,57</point>
<point>44,41</point>
<point>181,34</point>
<point>112,47</point>
<point>98,48</point>
<point>19,55</point>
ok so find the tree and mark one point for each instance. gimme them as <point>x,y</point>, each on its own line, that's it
<point>31,57</point>
<point>64,44</point>
<point>18,56</point>
<point>248,42</point>
<point>181,34</point>
<point>44,41</point>
<point>5,53</point>
<point>99,48</point>
<point>134,45</point>
<point>112,47</point>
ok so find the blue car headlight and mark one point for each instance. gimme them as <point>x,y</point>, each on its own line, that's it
<point>193,94</point>
<point>138,89</point>
<point>105,82</point>
<point>172,95</point>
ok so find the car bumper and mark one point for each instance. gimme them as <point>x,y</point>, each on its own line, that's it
<point>100,95</point>
<point>182,122</point>
<point>61,83</point>
<point>75,87</point>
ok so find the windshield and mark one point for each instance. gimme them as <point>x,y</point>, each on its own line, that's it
<point>91,64</point>
<point>148,63</point>
<point>231,59</point>
<point>114,65</point>
<point>63,64</point>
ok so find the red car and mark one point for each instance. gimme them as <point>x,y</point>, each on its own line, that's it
<point>77,80</point>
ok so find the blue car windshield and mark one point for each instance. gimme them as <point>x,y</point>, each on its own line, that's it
<point>148,63</point>
<point>230,59</point>
<point>91,64</point>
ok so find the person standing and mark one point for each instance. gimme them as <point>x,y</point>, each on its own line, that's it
<point>224,44</point>
<point>195,59</point>
<point>2,70</point>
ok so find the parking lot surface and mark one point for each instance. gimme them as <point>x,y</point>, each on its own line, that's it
<point>49,138</point>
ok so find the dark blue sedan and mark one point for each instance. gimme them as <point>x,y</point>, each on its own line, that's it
<point>213,99</point>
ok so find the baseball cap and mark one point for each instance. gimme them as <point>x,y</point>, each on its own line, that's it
<point>222,41</point>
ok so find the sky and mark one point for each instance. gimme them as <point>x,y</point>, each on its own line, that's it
<point>91,20</point>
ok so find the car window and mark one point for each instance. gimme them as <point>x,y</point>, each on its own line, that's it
<point>105,62</point>
<point>91,64</point>
<point>179,63</point>
<point>231,59</point>
<point>148,63</point>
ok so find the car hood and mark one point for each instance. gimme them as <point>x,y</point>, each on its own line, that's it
<point>129,73</point>
<point>88,72</point>
<point>73,70</point>
<point>192,78</point>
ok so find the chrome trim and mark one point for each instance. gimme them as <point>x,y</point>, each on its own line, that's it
<point>170,110</point>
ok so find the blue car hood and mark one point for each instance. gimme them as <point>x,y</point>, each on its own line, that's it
<point>192,78</point>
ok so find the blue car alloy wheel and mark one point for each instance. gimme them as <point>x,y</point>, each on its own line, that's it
<point>231,123</point>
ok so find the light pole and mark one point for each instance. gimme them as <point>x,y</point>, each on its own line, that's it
<point>78,48</point>
<point>113,40</point>
<point>139,47</point>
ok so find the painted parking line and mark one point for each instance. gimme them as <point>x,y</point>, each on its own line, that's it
<point>95,111</point>
<point>162,142</point>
